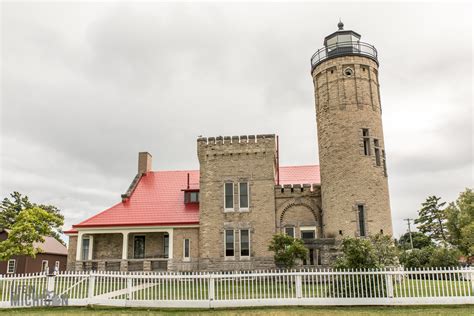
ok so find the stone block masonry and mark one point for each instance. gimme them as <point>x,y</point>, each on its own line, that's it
<point>248,159</point>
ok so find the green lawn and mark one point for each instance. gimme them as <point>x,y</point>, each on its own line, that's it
<point>283,311</point>
<point>253,290</point>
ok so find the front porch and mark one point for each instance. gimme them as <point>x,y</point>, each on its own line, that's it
<point>140,249</point>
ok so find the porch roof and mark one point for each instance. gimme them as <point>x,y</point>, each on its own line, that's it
<point>158,199</point>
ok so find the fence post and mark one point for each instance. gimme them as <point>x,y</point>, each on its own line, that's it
<point>389,284</point>
<point>90,293</point>
<point>299,286</point>
<point>129,288</point>
<point>50,285</point>
<point>211,289</point>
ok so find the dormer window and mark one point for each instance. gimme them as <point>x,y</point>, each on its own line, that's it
<point>191,197</point>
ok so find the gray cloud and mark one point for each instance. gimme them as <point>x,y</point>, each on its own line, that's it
<point>86,86</point>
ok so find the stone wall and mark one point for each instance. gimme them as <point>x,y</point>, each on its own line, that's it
<point>71,253</point>
<point>107,246</point>
<point>297,206</point>
<point>154,245</point>
<point>344,106</point>
<point>177,263</point>
<point>236,159</point>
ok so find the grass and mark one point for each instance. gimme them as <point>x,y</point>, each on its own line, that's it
<point>237,290</point>
<point>281,311</point>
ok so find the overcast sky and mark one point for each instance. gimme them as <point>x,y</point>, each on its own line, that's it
<point>85,87</point>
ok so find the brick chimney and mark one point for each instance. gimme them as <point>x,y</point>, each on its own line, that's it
<point>144,162</point>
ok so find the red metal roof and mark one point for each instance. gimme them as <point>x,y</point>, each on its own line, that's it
<point>158,199</point>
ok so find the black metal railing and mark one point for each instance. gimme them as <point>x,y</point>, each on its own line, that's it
<point>343,49</point>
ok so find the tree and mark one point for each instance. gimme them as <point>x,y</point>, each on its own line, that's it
<point>385,250</point>
<point>460,222</point>
<point>432,219</point>
<point>444,257</point>
<point>11,208</point>
<point>30,227</point>
<point>416,258</point>
<point>359,253</point>
<point>420,241</point>
<point>288,250</point>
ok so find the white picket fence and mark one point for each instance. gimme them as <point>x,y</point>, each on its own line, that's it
<point>256,288</point>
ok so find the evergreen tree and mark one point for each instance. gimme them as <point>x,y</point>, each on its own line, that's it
<point>431,220</point>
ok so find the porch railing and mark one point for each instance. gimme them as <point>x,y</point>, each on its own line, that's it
<point>147,264</point>
<point>258,288</point>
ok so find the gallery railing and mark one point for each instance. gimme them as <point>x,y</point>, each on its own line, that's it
<point>343,49</point>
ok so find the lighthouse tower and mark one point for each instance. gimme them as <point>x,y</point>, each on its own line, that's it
<point>354,187</point>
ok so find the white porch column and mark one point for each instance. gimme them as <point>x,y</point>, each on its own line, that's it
<point>79,246</point>
<point>91,247</point>
<point>170,245</point>
<point>125,246</point>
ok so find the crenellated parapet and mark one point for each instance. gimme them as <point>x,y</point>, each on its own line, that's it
<point>209,147</point>
<point>298,190</point>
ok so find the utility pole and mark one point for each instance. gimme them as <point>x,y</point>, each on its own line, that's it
<point>409,231</point>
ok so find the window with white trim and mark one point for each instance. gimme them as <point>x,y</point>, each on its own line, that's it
<point>166,245</point>
<point>11,266</point>
<point>244,195</point>
<point>44,266</point>
<point>308,232</point>
<point>244,243</point>
<point>186,249</point>
<point>229,243</point>
<point>290,231</point>
<point>56,266</point>
<point>85,248</point>
<point>229,196</point>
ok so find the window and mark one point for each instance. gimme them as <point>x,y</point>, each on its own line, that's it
<point>377,152</point>
<point>290,231</point>
<point>229,243</point>
<point>307,234</point>
<point>243,195</point>
<point>11,266</point>
<point>361,211</point>
<point>44,266</point>
<point>138,247</point>
<point>244,243</point>
<point>56,266</point>
<point>166,245</point>
<point>186,245</point>
<point>366,139</point>
<point>229,195</point>
<point>191,197</point>
<point>384,163</point>
<point>85,248</point>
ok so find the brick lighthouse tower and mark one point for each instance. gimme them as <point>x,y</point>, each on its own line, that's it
<point>354,187</point>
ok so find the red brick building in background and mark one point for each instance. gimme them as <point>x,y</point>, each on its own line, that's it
<point>53,257</point>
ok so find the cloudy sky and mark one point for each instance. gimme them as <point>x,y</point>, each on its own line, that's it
<point>86,86</point>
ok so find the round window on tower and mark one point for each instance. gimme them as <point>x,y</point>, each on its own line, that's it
<point>348,72</point>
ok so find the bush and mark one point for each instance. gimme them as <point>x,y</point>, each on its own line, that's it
<point>288,250</point>
<point>359,253</point>
<point>430,257</point>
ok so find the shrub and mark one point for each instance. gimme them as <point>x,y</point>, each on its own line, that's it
<point>288,250</point>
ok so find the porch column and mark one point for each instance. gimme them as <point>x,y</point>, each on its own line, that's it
<point>79,246</point>
<point>170,245</point>
<point>91,247</point>
<point>125,246</point>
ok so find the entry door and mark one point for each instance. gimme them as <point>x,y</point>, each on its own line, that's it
<point>139,247</point>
